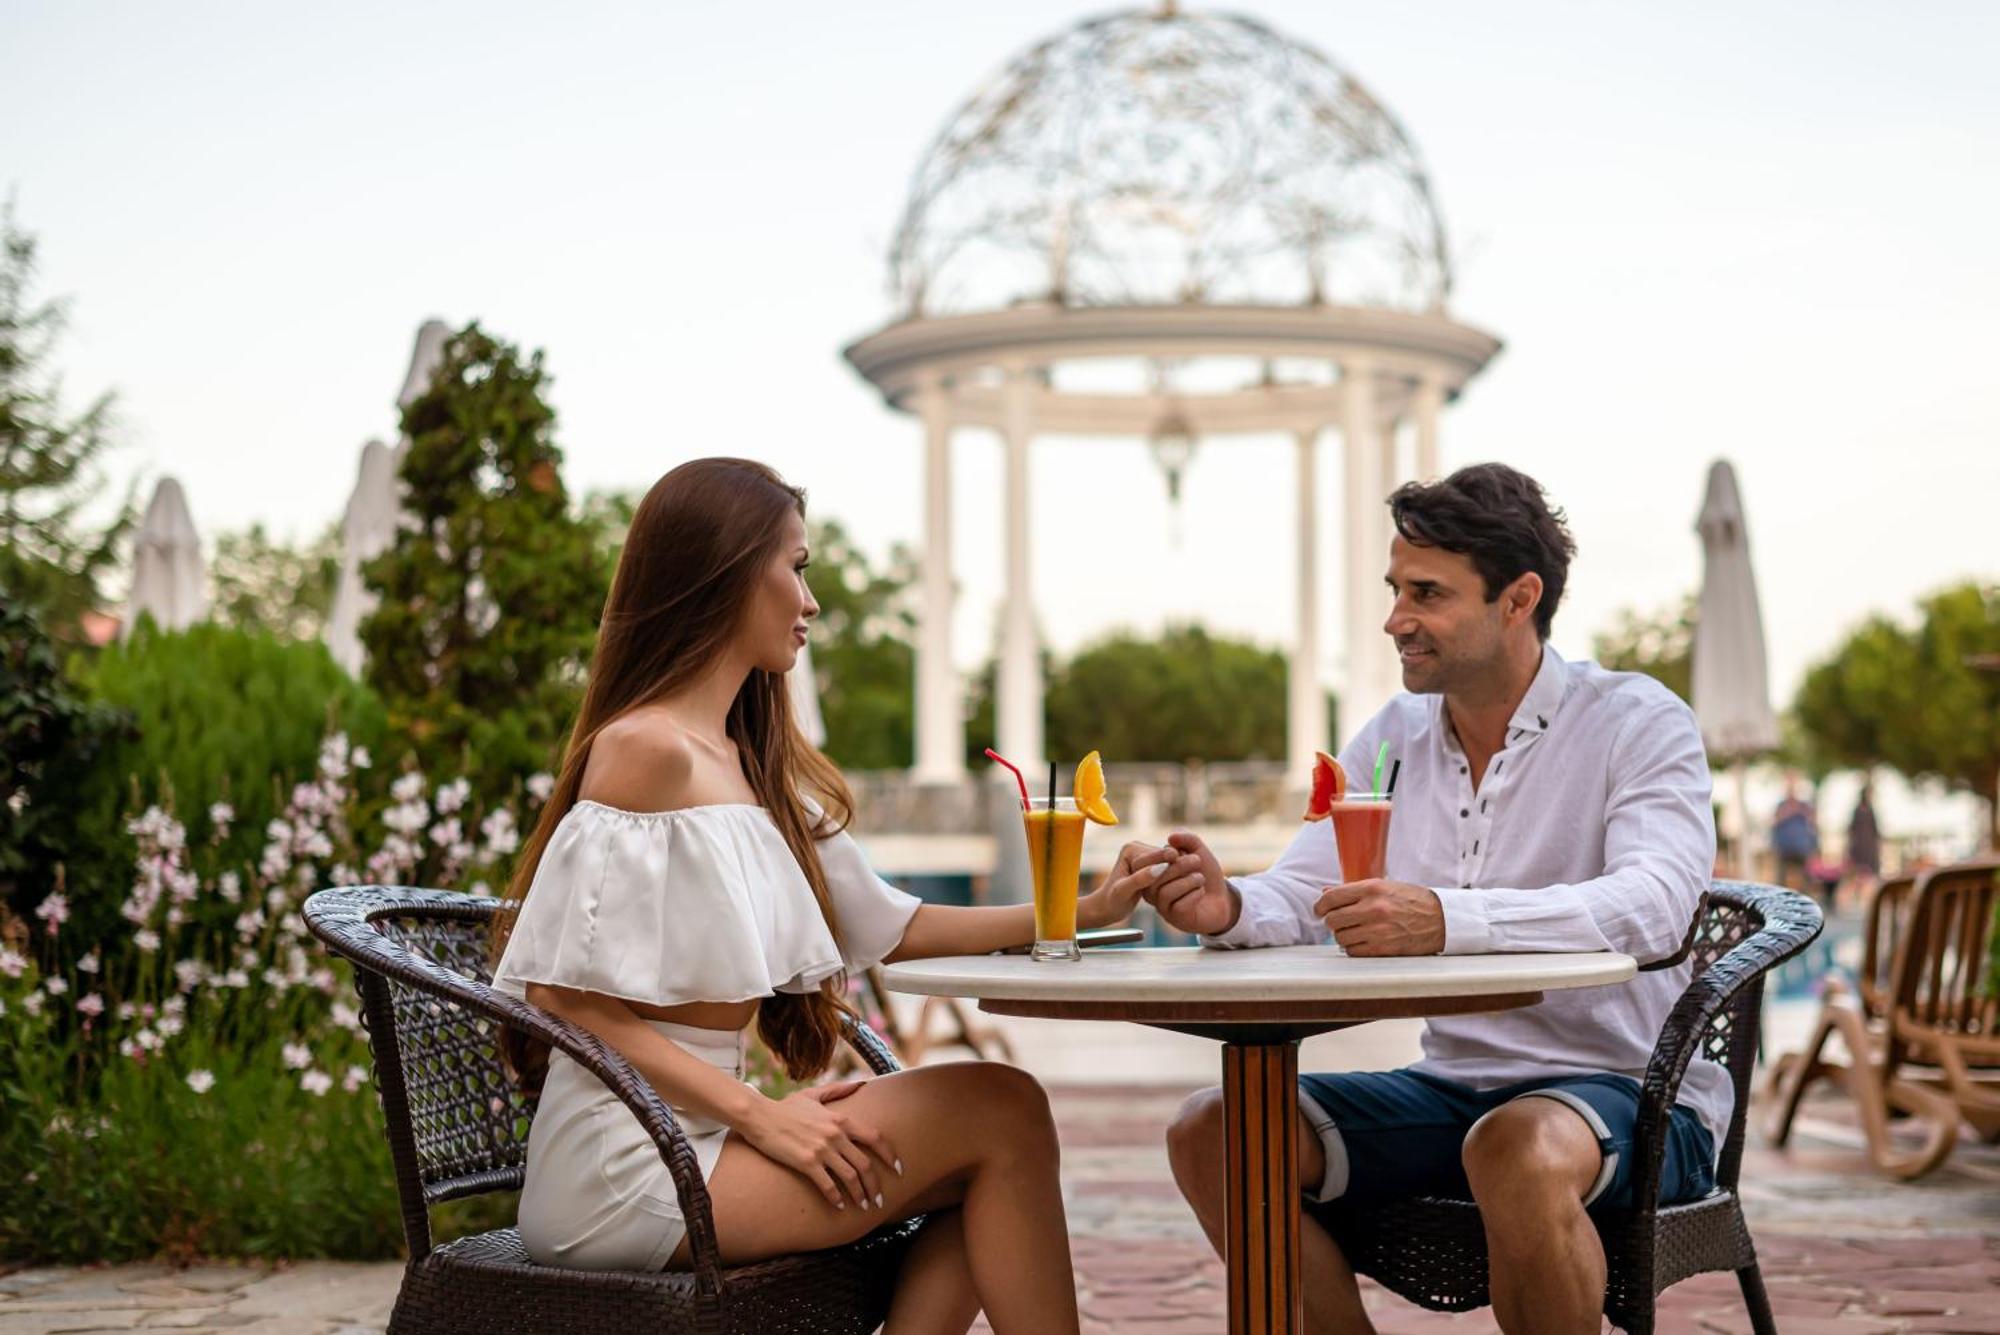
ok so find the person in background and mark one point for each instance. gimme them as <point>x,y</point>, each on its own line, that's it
<point>1794,836</point>
<point>1864,845</point>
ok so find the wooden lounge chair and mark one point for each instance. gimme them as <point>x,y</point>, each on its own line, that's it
<point>1944,1012</point>
<point>1920,998</point>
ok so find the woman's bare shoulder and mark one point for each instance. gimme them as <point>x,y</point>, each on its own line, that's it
<point>641,761</point>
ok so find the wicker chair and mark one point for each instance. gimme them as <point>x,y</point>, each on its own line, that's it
<point>457,1127</point>
<point>1432,1251</point>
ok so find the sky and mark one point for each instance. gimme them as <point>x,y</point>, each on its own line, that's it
<point>1755,231</point>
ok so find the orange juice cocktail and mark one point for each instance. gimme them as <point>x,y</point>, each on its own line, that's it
<point>1055,855</point>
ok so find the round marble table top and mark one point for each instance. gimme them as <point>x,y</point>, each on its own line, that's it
<point>1276,974</point>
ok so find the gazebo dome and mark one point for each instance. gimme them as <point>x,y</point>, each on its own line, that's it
<point>1157,157</point>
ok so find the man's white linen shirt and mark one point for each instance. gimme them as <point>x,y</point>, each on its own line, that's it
<point>1591,830</point>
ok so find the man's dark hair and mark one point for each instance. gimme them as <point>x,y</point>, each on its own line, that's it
<point>1501,520</point>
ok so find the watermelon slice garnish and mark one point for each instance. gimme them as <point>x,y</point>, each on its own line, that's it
<point>1329,786</point>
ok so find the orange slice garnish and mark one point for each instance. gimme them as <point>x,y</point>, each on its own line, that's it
<point>1089,791</point>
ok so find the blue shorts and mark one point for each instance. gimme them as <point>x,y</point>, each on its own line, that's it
<point>1389,1135</point>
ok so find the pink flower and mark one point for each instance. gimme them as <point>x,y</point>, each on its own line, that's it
<point>54,911</point>
<point>201,1081</point>
<point>90,1005</point>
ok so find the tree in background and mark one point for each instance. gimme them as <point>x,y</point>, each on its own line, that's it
<point>49,559</point>
<point>1922,701</point>
<point>1659,644</point>
<point>52,736</point>
<point>490,595</point>
<point>1187,695</point>
<point>861,650</point>
<point>260,584</point>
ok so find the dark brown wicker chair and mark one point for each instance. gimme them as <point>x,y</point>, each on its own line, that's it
<point>1433,1251</point>
<point>457,1127</point>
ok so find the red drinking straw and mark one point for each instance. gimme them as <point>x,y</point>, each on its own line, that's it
<point>999,759</point>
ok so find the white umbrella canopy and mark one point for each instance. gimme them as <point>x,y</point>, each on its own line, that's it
<point>425,358</point>
<point>168,577</point>
<point>368,526</point>
<point>369,523</point>
<point>1732,686</point>
<point>803,685</point>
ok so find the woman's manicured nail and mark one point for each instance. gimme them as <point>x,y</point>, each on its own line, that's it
<point>899,1168</point>
<point>1158,869</point>
<point>878,1202</point>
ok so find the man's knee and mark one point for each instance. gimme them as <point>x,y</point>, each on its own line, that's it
<point>1531,1145</point>
<point>1194,1138</point>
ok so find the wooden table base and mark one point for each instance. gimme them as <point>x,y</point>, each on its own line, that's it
<point>1260,1093</point>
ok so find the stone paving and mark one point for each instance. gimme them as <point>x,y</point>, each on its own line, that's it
<point>1845,1252</point>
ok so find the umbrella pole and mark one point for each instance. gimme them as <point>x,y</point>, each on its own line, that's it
<point>1743,868</point>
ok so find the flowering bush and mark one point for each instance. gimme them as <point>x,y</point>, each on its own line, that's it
<point>197,1082</point>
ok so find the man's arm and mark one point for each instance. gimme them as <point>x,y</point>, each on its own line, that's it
<point>1659,849</point>
<point>1275,906</point>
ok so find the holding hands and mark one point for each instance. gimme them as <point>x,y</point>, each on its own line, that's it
<point>1130,878</point>
<point>1372,917</point>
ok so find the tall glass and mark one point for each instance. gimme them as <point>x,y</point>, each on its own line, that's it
<point>1055,853</point>
<point>1361,829</point>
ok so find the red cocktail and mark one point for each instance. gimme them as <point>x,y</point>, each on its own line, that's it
<point>1361,830</point>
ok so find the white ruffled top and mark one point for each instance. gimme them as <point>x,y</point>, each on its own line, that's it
<point>700,904</point>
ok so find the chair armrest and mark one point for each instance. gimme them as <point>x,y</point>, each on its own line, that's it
<point>869,1044</point>
<point>1791,921</point>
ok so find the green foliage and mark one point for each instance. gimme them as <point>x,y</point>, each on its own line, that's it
<point>49,560</point>
<point>489,596</point>
<point>1659,644</point>
<point>1188,695</point>
<point>218,715</point>
<point>1925,702</point>
<point>52,737</point>
<point>277,588</point>
<point>861,651</point>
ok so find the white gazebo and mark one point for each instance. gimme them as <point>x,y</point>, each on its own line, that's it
<point>1180,228</point>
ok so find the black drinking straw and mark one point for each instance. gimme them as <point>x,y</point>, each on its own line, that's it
<point>1394,770</point>
<point>1052,785</point>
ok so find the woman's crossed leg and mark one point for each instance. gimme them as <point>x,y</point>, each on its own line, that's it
<point>978,1152</point>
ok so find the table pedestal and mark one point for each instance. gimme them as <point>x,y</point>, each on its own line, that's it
<point>1260,1099</point>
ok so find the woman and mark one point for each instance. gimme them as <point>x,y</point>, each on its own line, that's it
<point>681,884</point>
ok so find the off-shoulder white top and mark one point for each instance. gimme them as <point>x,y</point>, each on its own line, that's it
<point>700,904</point>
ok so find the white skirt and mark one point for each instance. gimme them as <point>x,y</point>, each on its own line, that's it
<point>598,1195</point>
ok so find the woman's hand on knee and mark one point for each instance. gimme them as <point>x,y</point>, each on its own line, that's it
<point>831,1149</point>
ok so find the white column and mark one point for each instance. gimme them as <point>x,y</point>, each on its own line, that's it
<point>1305,719</point>
<point>1429,401</point>
<point>1019,722</point>
<point>940,716</point>
<point>1363,690</point>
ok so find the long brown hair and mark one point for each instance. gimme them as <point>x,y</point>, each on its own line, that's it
<point>698,544</point>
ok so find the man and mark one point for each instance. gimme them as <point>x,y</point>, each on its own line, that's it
<point>1542,806</point>
<point>1794,837</point>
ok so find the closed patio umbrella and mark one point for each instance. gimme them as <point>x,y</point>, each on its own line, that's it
<point>368,526</point>
<point>1732,691</point>
<point>168,577</point>
<point>369,523</point>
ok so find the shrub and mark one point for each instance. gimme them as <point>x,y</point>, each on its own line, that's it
<point>219,717</point>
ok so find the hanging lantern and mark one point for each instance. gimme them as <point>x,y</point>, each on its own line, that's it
<point>1172,446</point>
